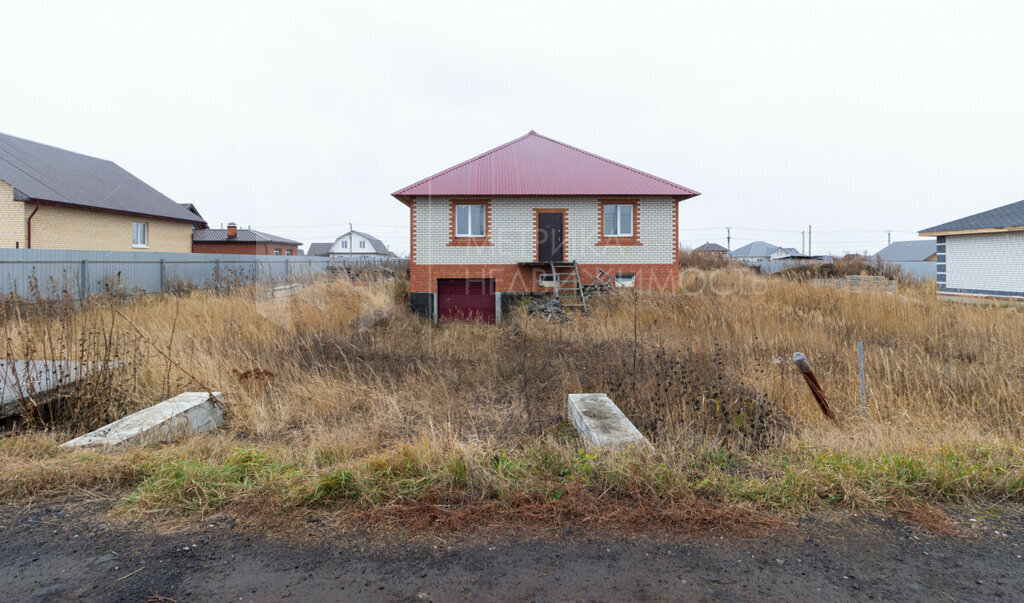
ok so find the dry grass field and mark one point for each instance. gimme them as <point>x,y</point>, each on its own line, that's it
<point>339,396</point>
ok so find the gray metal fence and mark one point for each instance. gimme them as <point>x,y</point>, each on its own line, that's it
<point>52,273</point>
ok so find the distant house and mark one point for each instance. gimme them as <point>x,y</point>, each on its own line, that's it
<point>783,253</point>
<point>192,208</point>
<point>753,252</point>
<point>241,241</point>
<point>319,249</point>
<point>56,199</point>
<point>711,249</point>
<point>359,245</point>
<point>980,255</point>
<point>916,258</point>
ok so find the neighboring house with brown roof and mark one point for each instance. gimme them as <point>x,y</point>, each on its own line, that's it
<point>51,198</point>
<point>241,241</point>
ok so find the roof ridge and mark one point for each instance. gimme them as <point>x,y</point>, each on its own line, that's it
<point>467,162</point>
<point>611,161</point>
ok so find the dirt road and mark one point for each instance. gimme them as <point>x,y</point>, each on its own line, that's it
<point>57,552</point>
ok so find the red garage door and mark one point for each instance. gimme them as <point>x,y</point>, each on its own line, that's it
<point>465,299</point>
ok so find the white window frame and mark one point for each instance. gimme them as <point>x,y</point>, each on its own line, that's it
<point>625,279</point>
<point>140,235</point>
<point>277,251</point>
<point>464,213</point>
<point>362,244</point>
<point>344,244</point>
<point>287,251</point>
<point>621,218</point>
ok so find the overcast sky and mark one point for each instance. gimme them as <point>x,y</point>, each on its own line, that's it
<point>299,117</point>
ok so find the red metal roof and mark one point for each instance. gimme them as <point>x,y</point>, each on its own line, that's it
<point>536,165</point>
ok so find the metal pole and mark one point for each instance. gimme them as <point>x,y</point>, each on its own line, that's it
<point>83,287</point>
<point>809,240</point>
<point>860,365</point>
<point>163,274</point>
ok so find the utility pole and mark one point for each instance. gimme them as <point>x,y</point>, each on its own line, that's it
<point>889,234</point>
<point>803,242</point>
<point>808,239</point>
<point>350,241</point>
<point>728,237</point>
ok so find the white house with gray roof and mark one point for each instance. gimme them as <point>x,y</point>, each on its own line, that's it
<point>913,258</point>
<point>981,255</point>
<point>359,246</point>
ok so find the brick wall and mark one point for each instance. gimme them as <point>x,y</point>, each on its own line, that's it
<point>983,264</point>
<point>512,233</point>
<point>524,279</point>
<point>56,227</point>
<point>243,248</point>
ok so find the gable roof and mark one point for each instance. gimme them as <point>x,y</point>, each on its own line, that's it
<point>711,247</point>
<point>319,249</point>
<point>754,250</point>
<point>787,250</point>
<point>220,235</point>
<point>55,176</point>
<point>378,245</point>
<point>1006,216</point>
<point>907,251</point>
<point>540,166</point>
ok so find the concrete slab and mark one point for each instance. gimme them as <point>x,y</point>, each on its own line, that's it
<point>601,423</point>
<point>184,414</point>
<point>20,379</point>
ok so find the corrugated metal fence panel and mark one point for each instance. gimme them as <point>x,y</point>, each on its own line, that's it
<point>55,272</point>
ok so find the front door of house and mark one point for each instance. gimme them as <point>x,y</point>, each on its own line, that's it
<point>550,237</point>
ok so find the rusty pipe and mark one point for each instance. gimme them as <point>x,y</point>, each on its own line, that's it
<point>28,238</point>
<point>812,382</point>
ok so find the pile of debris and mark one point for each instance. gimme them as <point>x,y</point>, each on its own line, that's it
<point>550,309</point>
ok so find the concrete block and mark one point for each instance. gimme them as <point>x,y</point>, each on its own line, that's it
<point>184,414</point>
<point>38,379</point>
<point>601,423</point>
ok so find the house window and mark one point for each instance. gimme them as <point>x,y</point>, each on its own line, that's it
<point>277,251</point>
<point>344,244</point>
<point>470,220</point>
<point>618,220</point>
<point>625,279</point>
<point>362,244</point>
<point>287,251</point>
<point>140,234</point>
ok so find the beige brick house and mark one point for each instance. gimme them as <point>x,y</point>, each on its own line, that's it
<point>56,199</point>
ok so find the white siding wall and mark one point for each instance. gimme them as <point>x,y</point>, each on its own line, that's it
<point>512,233</point>
<point>985,262</point>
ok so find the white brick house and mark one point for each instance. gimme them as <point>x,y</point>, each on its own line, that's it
<point>495,228</point>
<point>981,255</point>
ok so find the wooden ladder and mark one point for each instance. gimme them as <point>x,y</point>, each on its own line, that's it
<point>569,285</point>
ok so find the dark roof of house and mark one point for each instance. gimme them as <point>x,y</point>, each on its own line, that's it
<point>319,249</point>
<point>220,235</point>
<point>712,247</point>
<point>536,165</point>
<point>55,176</point>
<point>755,249</point>
<point>790,250</point>
<point>378,245</point>
<point>908,251</point>
<point>1006,216</point>
<point>192,208</point>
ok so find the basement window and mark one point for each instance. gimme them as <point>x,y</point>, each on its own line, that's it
<point>140,234</point>
<point>470,220</point>
<point>625,279</point>
<point>548,280</point>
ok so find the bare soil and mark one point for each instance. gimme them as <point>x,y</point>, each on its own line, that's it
<point>61,550</point>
